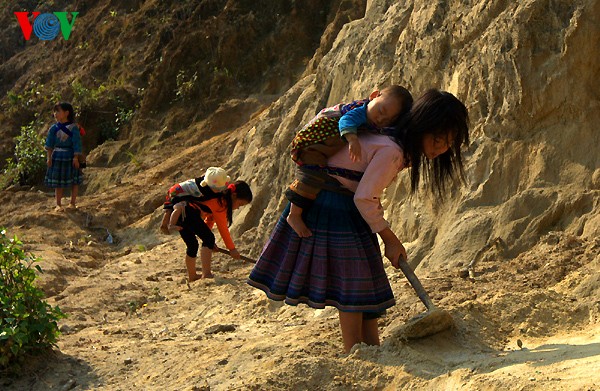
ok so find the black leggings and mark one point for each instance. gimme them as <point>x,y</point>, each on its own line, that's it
<point>193,226</point>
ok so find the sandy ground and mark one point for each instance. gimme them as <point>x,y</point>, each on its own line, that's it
<point>135,322</point>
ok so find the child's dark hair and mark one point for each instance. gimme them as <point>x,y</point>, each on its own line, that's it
<point>65,106</point>
<point>242,191</point>
<point>403,96</point>
<point>440,114</point>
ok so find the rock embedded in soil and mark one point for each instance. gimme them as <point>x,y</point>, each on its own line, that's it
<point>220,328</point>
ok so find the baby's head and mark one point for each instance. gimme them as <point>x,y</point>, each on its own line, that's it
<point>216,178</point>
<point>388,105</point>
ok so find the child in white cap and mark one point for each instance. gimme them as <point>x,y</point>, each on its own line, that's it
<point>207,187</point>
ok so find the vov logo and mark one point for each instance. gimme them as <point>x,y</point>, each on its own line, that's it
<point>46,26</point>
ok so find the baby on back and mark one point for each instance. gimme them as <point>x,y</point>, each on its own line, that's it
<point>206,187</point>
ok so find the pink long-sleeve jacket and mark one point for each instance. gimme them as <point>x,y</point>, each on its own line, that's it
<point>381,161</point>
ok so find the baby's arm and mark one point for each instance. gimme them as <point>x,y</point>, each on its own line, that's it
<point>177,209</point>
<point>349,124</point>
<point>353,146</point>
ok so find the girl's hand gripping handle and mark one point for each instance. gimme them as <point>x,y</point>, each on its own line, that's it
<point>394,249</point>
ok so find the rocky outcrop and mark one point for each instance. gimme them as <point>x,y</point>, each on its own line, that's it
<point>525,70</point>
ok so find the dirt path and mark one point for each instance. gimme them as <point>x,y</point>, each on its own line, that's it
<point>134,322</point>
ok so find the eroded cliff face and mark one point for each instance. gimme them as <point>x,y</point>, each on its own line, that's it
<point>526,73</point>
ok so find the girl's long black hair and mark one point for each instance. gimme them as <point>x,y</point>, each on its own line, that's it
<point>66,106</point>
<point>440,114</point>
<point>242,191</point>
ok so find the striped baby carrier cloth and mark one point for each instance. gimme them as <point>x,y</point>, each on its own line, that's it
<point>323,129</point>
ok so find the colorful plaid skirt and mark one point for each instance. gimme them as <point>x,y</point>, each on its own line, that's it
<point>62,173</point>
<point>340,265</point>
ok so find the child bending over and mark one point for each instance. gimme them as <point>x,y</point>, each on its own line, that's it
<point>196,218</point>
<point>208,186</point>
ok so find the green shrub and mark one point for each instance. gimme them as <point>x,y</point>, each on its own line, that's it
<point>186,86</point>
<point>29,163</point>
<point>27,321</point>
<point>111,129</point>
<point>27,99</point>
<point>87,97</point>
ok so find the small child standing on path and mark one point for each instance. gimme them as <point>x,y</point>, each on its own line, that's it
<point>197,218</point>
<point>63,145</point>
<point>214,181</point>
<point>324,135</point>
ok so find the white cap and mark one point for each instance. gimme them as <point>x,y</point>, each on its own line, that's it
<point>216,178</point>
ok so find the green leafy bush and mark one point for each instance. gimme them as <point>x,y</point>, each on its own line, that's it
<point>34,95</point>
<point>87,97</point>
<point>186,86</point>
<point>27,322</point>
<point>111,129</point>
<point>29,163</point>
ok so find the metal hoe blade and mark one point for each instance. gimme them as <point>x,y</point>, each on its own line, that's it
<point>433,321</point>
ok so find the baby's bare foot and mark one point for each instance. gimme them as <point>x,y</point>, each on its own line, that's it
<point>298,226</point>
<point>208,275</point>
<point>194,278</point>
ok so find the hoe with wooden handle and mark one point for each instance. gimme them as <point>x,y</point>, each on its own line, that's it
<point>244,258</point>
<point>433,321</point>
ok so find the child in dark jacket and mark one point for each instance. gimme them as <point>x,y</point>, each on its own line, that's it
<point>63,147</point>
